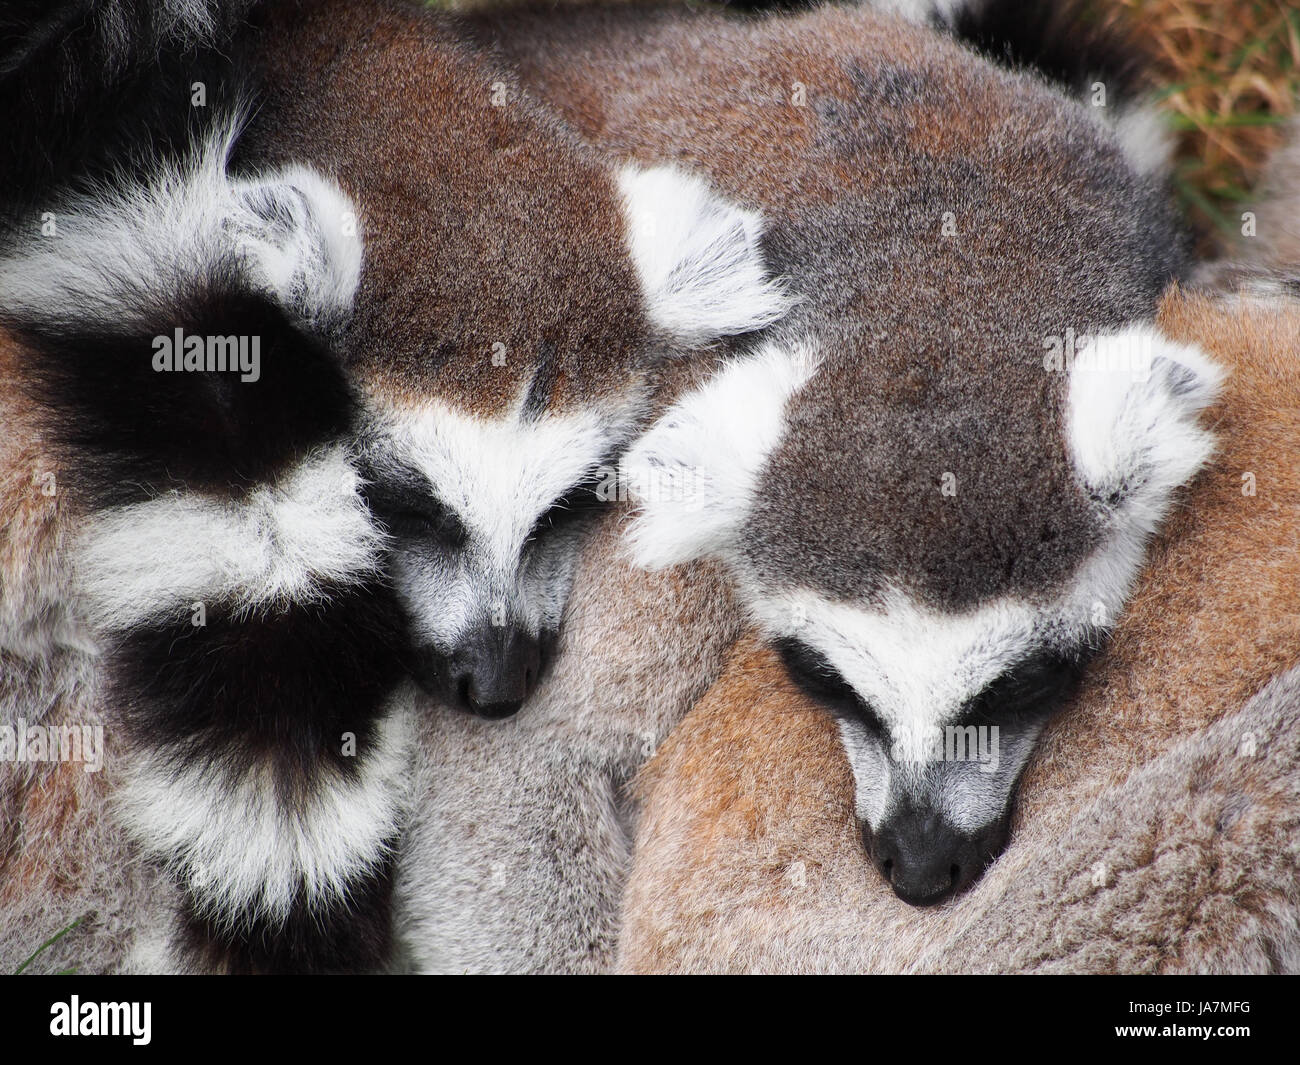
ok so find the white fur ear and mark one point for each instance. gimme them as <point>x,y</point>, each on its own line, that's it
<point>301,236</point>
<point>1144,136</point>
<point>694,472</point>
<point>697,256</point>
<point>1132,418</point>
<point>113,257</point>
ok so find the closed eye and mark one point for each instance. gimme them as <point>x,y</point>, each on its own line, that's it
<point>1030,691</point>
<point>813,674</point>
<point>430,521</point>
<point>579,502</point>
<point>403,502</point>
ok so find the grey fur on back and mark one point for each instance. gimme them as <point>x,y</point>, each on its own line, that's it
<point>516,854</point>
<point>63,856</point>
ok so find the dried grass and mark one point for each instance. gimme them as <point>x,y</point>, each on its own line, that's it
<point>1230,71</point>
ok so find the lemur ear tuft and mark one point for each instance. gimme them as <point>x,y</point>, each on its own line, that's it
<point>695,471</point>
<point>178,330</point>
<point>1133,423</point>
<point>301,235</point>
<point>698,257</point>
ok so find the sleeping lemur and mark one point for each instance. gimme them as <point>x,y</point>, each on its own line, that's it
<point>328,397</point>
<point>1155,826</point>
<point>936,499</point>
<point>942,223</point>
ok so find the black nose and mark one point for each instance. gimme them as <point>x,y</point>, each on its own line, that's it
<point>925,860</point>
<point>493,671</point>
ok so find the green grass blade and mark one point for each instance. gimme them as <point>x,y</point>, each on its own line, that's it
<point>49,943</point>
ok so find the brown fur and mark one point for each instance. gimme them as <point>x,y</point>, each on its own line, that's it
<point>483,224</point>
<point>30,582</point>
<point>1144,841</point>
<point>856,135</point>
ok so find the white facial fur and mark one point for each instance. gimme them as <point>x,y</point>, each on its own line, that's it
<point>1132,410</point>
<point>498,476</point>
<point>918,667</point>
<point>703,277</point>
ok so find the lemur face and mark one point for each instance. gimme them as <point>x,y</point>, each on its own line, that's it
<point>940,596</point>
<point>483,476</point>
<point>481,470</point>
<point>485,518</point>
<point>938,714</point>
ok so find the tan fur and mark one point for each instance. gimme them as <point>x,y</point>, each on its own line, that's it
<point>1144,840</point>
<point>62,858</point>
<point>30,583</point>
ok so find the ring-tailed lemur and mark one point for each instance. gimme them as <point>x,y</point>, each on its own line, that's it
<point>920,492</point>
<point>1159,801</point>
<point>1155,797</point>
<point>367,490</point>
<point>498,401</point>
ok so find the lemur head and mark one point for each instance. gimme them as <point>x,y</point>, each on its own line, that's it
<point>485,454</point>
<point>934,483</point>
<point>518,296</point>
<point>936,551</point>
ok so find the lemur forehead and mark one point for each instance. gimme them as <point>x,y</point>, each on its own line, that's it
<point>493,235</point>
<point>952,482</point>
<point>499,472</point>
<point>910,661</point>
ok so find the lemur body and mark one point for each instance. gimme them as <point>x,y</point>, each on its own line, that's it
<point>262,561</point>
<point>854,186</point>
<point>520,838</point>
<point>1155,829</point>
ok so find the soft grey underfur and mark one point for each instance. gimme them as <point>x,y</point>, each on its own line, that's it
<point>63,857</point>
<point>84,869</point>
<point>517,853</point>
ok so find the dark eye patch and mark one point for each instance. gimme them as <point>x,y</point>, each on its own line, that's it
<point>1030,691</point>
<point>813,675</point>
<point>404,503</point>
<point>579,502</point>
